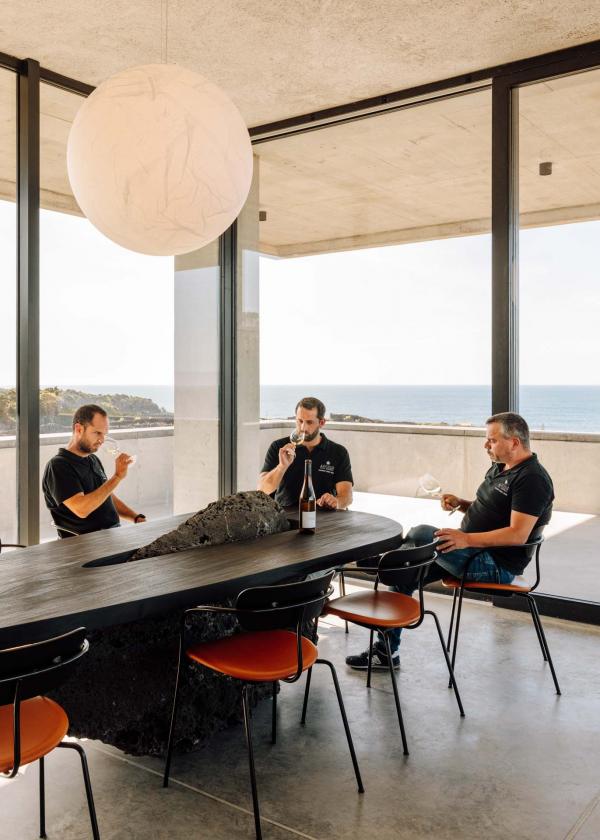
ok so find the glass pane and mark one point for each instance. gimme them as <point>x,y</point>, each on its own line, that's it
<point>8,309</point>
<point>106,331</point>
<point>376,244</point>
<point>559,194</point>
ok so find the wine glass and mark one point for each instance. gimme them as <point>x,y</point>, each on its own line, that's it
<point>297,438</point>
<point>112,447</point>
<point>430,486</point>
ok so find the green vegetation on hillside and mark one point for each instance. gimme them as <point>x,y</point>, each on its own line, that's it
<point>57,407</point>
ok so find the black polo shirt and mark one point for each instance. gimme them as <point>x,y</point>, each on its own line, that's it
<point>526,488</point>
<point>330,464</point>
<point>68,474</point>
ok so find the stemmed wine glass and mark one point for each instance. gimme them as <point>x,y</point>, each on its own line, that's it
<point>112,447</point>
<point>297,438</point>
<point>430,486</point>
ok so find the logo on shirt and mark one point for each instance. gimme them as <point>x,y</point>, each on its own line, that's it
<point>503,487</point>
<point>327,467</point>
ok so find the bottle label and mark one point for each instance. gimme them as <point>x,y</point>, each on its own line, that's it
<point>309,519</point>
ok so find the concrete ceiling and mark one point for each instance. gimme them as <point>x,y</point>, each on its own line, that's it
<point>281,58</point>
<point>425,173</point>
<point>417,174</point>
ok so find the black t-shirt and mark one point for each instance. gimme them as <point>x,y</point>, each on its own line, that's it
<point>68,474</point>
<point>526,488</point>
<point>330,464</point>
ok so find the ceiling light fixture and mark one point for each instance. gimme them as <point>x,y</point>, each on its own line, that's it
<point>159,159</point>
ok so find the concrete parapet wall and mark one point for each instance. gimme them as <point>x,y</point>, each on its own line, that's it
<point>386,458</point>
<point>389,458</point>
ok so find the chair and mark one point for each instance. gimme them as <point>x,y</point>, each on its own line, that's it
<point>267,651</point>
<point>9,545</point>
<point>31,726</point>
<point>521,589</point>
<point>384,611</point>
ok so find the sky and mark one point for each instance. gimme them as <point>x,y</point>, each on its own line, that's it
<point>106,313</point>
<point>406,314</point>
<point>421,313</point>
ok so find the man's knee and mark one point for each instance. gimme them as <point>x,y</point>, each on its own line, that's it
<point>421,534</point>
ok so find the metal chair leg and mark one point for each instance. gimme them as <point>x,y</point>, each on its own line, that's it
<point>396,695</point>
<point>449,641</point>
<point>248,731</point>
<point>447,658</point>
<point>345,721</point>
<point>531,604</point>
<point>42,800</point>
<point>370,659</point>
<point>173,716</point>
<point>88,785</point>
<point>306,691</point>
<point>455,645</point>
<point>274,715</point>
<point>343,590</point>
<point>543,635</point>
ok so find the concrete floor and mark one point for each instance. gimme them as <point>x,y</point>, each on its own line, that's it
<point>524,763</point>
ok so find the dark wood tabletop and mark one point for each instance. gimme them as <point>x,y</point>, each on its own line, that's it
<point>47,588</point>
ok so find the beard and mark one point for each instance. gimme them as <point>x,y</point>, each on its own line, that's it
<point>308,438</point>
<point>86,447</point>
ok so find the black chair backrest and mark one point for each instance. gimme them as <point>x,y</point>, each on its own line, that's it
<point>404,566</point>
<point>284,605</point>
<point>537,537</point>
<point>9,545</point>
<point>39,667</point>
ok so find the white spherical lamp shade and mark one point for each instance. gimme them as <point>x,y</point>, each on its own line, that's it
<point>159,159</point>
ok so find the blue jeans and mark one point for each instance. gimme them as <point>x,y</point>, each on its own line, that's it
<point>483,569</point>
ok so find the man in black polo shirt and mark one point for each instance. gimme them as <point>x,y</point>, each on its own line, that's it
<point>514,501</point>
<point>78,494</point>
<point>283,469</point>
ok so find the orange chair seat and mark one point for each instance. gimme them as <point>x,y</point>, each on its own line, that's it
<point>262,656</point>
<point>43,725</point>
<point>522,586</point>
<point>376,609</point>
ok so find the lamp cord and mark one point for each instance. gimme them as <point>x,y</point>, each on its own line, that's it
<point>164,31</point>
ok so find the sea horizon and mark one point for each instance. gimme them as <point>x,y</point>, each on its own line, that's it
<point>568,408</point>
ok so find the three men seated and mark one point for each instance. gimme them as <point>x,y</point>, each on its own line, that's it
<point>513,501</point>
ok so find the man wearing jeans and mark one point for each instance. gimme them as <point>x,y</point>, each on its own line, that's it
<point>514,499</point>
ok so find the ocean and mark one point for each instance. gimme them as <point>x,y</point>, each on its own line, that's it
<point>563,408</point>
<point>570,408</point>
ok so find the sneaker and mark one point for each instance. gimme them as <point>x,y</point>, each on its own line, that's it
<point>360,662</point>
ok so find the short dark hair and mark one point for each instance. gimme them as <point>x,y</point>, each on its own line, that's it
<point>512,425</point>
<point>85,414</point>
<point>310,403</point>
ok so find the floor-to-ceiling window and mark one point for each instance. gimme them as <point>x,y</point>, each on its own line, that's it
<point>559,278</point>
<point>106,330</point>
<point>8,308</point>
<point>375,286</point>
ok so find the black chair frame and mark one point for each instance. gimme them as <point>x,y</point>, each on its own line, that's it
<point>32,669</point>
<point>10,545</point>
<point>290,605</point>
<point>534,545</point>
<point>413,560</point>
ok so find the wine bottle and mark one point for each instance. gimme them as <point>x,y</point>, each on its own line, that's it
<point>307,513</point>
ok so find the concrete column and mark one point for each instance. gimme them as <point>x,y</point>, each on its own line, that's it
<point>196,444</point>
<point>249,457</point>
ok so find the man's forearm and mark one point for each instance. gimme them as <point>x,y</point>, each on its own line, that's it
<point>501,536</point>
<point>124,511</point>
<point>87,503</point>
<point>344,499</point>
<point>269,482</point>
